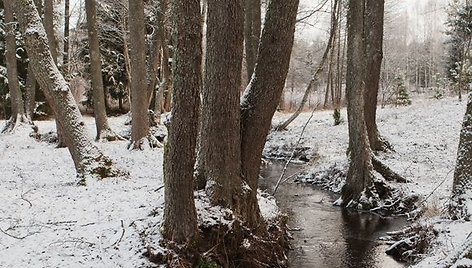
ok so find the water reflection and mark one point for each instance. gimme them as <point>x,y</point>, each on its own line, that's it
<point>328,236</point>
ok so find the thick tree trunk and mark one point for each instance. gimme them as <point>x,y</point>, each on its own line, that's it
<point>88,159</point>
<point>252,33</point>
<point>220,139</point>
<point>359,178</point>
<point>104,131</point>
<point>17,109</point>
<point>374,38</point>
<point>263,93</point>
<point>180,219</point>
<point>460,205</point>
<point>139,96</point>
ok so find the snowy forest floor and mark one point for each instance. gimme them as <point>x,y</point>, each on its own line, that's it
<point>48,221</point>
<point>425,137</point>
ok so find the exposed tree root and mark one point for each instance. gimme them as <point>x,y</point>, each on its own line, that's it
<point>109,135</point>
<point>386,171</point>
<point>229,245</point>
<point>145,143</point>
<point>410,243</point>
<point>458,206</point>
<point>14,122</point>
<point>382,145</point>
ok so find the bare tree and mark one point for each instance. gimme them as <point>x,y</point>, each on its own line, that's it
<point>220,132</point>
<point>65,62</point>
<point>262,96</point>
<point>104,131</point>
<point>139,96</point>
<point>88,159</point>
<point>17,109</point>
<point>374,39</point>
<point>359,177</point>
<point>180,219</point>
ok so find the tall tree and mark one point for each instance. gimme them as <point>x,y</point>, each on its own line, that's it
<point>374,14</point>
<point>460,205</point>
<point>262,96</point>
<point>88,159</point>
<point>220,133</point>
<point>139,96</point>
<point>252,33</point>
<point>104,131</point>
<point>180,219</point>
<point>65,62</point>
<point>48,21</point>
<point>17,109</point>
<point>360,176</point>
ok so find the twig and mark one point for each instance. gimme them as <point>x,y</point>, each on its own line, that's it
<point>17,237</point>
<point>434,190</point>
<point>293,152</point>
<point>122,234</point>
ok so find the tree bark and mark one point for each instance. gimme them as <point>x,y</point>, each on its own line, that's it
<point>180,219</point>
<point>104,131</point>
<point>65,61</point>
<point>262,96</point>
<point>220,139</point>
<point>52,43</point>
<point>359,177</point>
<point>89,161</point>
<point>459,207</point>
<point>139,96</point>
<point>252,33</point>
<point>30,98</point>
<point>17,109</point>
<point>374,38</point>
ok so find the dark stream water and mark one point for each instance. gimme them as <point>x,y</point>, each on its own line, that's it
<point>327,236</point>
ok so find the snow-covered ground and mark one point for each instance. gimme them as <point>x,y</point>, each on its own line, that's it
<point>48,221</point>
<point>425,137</point>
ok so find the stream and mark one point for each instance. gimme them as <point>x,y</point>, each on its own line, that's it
<point>325,235</point>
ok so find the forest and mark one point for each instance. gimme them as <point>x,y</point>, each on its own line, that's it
<point>244,133</point>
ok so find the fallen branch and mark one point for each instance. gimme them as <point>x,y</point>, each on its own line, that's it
<point>121,237</point>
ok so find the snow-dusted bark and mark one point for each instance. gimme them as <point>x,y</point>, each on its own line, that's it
<point>263,93</point>
<point>359,179</point>
<point>17,109</point>
<point>88,159</point>
<point>180,216</point>
<point>220,148</point>
<point>461,202</point>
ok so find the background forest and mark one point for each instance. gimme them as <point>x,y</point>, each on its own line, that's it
<point>200,110</point>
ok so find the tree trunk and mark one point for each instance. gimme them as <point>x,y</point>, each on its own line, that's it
<point>30,98</point>
<point>260,100</point>
<point>139,96</point>
<point>180,219</point>
<point>359,177</point>
<point>308,89</point>
<point>65,62</point>
<point>104,131</point>
<point>17,109</point>
<point>252,33</point>
<point>220,139</point>
<point>88,159</point>
<point>459,207</point>
<point>374,38</point>
<point>52,43</point>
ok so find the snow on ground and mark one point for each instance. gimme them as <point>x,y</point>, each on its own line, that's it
<point>46,220</point>
<point>425,137</point>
